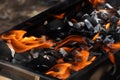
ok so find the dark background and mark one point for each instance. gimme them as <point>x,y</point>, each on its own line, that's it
<point>13,12</point>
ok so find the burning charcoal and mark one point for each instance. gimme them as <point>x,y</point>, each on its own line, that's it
<point>95,16</point>
<point>88,24</point>
<point>98,28</point>
<point>104,15</point>
<point>92,54</point>
<point>63,52</point>
<point>77,40</point>
<point>79,25</point>
<point>89,42</point>
<point>108,40</point>
<point>107,5</point>
<point>91,19</point>
<point>42,63</point>
<point>50,52</point>
<point>34,54</point>
<point>113,21</point>
<point>5,51</point>
<point>22,58</point>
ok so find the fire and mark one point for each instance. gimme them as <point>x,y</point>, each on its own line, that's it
<point>118,23</point>
<point>21,44</point>
<point>115,46</point>
<point>60,16</point>
<point>96,2</point>
<point>96,37</point>
<point>107,26</point>
<point>72,38</point>
<point>81,60</point>
<point>80,52</point>
<point>110,54</point>
<point>63,69</point>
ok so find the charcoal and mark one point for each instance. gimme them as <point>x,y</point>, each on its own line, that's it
<point>88,24</point>
<point>92,54</point>
<point>98,28</point>
<point>95,16</point>
<point>91,19</point>
<point>114,20</point>
<point>118,29</point>
<point>70,23</point>
<point>5,51</point>
<point>34,54</point>
<point>57,29</point>
<point>79,25</point>
<point>89,42</point>
<point>104,15</point>
<point>107,5</point>
<point>56,25</point>
<point>85,24</point>
<point>42,63</point>
<point>118,11</point>
<point>22,58</point>
<point>63,52</point>
<point>108,40</point>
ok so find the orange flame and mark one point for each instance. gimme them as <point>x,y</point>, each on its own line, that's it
<point>118,23</point>
<point>81,60</point>
<point>21,44</point>
<point>110,54</point>
<point>60,16</point>
<point>71,38</point>
<point>107,26</point>
<point>96,2</point>
<point>96,36</point>
<point>63,72</point>
<point>115,45</point>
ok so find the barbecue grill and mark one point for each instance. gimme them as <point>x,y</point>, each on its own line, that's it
<point>48,23</point>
